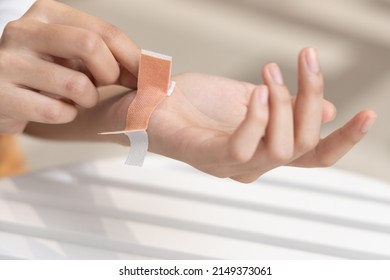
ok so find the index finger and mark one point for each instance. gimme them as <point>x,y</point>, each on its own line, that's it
<point>124,50</point>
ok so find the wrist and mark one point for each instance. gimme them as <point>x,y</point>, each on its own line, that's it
<point>111,114</point>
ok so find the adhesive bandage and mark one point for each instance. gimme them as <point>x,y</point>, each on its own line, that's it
<point>154,84</point>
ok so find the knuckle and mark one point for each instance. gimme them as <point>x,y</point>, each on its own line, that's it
<point>12,25</point>
<point>76,84</point>
<point>258,116</point>
<point>19,33</point>
<point>89,42</point>
<point>11,29</point>
<point>109,80</point>
<point>78,89</point>
<point>51,113</point>
<point>111,75</point>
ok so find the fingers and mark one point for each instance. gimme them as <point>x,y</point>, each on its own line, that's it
<point>295,130</point>
<point>256,146</point>
<point>74,43</point>
<point>124,50</point>
<point>308,110</point>
<point>56,80</point>
<point>277,146</point>
<point>60,54</point>
<point>245,140</point>
<point>126,78</point>
<point>25,105</point>
<point>241,145</point>
<point>337,144</point>
<point>65,42</point>
<point>292,130</point>
<point>280,132</point>
<point>328,110</point>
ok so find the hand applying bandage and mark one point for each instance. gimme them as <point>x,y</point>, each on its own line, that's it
<point>53,59</point>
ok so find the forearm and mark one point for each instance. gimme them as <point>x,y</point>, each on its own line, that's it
<point>108,115</point>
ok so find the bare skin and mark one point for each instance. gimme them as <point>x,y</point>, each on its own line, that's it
<point>53,59</point>
<point>229,128</point>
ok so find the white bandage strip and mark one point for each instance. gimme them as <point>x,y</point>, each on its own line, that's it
<point>139,143</point>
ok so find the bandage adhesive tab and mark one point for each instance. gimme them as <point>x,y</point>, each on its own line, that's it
<point>154,84</point>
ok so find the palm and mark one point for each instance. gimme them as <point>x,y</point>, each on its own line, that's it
<point>203,109</point>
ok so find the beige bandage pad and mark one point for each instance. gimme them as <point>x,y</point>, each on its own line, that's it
<point>154,85</point>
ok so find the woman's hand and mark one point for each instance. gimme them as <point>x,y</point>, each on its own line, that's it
<point>233,129</point>
<point>53,58</point>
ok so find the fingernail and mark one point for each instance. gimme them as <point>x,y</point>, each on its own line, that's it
<point>275,74</point>
<point>367,125</point>
<point>262,95</point>
<point>312,60</point>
